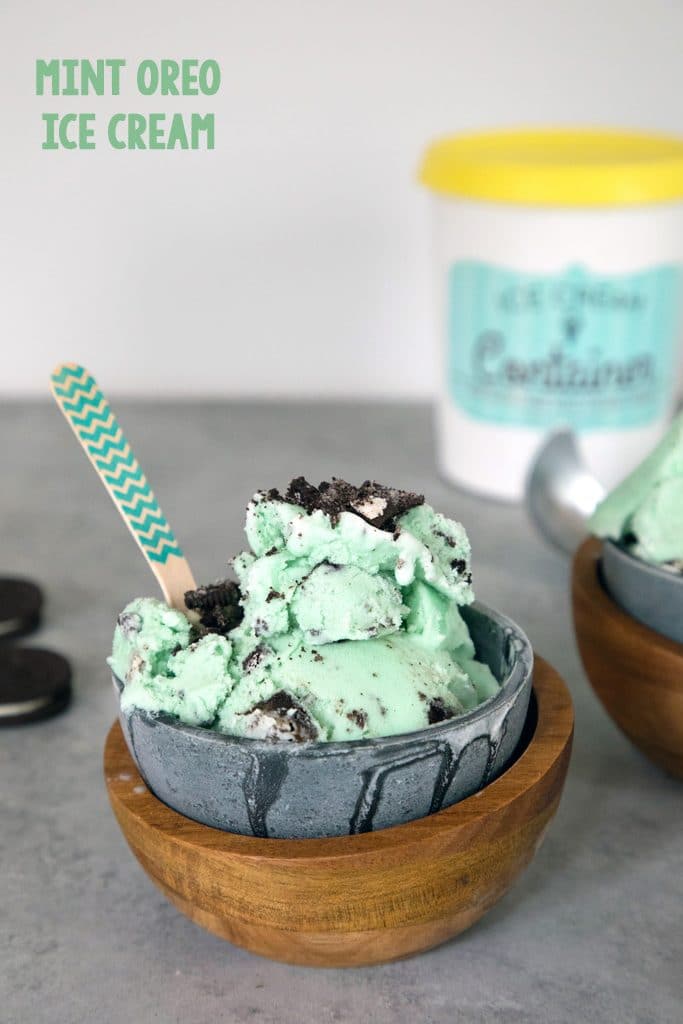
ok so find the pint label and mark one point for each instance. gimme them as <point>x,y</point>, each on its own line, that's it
<point>575,348</point>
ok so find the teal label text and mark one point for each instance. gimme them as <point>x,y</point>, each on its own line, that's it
<point>573,348</point>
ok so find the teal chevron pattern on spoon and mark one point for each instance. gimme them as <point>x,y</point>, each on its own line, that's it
<point>107,447</point>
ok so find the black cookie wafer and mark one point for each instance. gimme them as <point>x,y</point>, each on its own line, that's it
<point>21,602</point>
<point>34,684</point>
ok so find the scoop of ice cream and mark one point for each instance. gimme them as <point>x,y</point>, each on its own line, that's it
<point>194,684</point>
<point>352,689</point>
<point>351,625</point>
<point>645,512</point>
<point>147,634</point>
<point>288,543</point>
<point>343,602</point>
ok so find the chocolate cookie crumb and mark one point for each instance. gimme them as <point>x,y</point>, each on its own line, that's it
<point>359,718</point>
<point>254,659</point>
<point>438,711</point>
<point>274,595</point>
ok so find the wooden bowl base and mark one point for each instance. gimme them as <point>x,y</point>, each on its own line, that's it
<point>636,672</point>
<point>362,899</point>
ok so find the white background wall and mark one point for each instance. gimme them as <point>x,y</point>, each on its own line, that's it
<point>294,259</point>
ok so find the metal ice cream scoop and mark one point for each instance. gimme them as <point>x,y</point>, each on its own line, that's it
<point>561,492</point>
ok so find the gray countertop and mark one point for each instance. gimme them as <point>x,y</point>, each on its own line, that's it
<point>592,931</point>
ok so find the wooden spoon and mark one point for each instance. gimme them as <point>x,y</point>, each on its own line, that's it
<point>94,424</point>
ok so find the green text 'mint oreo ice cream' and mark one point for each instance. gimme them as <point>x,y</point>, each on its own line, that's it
<point>645,512</point>
<point>344,624</point>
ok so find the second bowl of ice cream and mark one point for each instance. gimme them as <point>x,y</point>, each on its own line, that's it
<point>345,682</point>
<point>628,603</point>
<point>641,523</point>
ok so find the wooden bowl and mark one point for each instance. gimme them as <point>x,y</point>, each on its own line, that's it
<point>636,672</point>
<point>362,899</point>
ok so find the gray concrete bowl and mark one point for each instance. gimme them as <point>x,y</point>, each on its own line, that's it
<point>649,593</point>
<point>311,790</point>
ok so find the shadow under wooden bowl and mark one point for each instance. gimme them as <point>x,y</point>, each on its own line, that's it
<point>362,899</point>
<point>636,672</point>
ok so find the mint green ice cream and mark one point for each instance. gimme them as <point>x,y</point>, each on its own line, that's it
<point>163,670</point>
<point>344,624</point>
<point>645,512</point>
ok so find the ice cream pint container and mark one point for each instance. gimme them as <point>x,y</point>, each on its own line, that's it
<point>559,282</point>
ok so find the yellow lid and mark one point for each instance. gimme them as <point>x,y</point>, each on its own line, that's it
<point>557,167</point>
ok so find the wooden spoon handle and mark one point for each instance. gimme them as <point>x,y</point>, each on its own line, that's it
<point>94,424</point>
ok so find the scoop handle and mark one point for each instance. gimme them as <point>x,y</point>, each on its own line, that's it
<point>94,424</point>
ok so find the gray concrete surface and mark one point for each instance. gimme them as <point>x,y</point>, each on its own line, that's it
<point>592,932</point>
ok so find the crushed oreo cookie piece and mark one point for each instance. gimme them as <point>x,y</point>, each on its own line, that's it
<point>218,605</point>
<point>300,492</point>
<point>213,595</point>
<point>438,711</point>
<point>382,506</point>
<point>376,504</point>
<point>254,659</point>
<point>129,623</point>
<point>358,718</point>
<point>288,719</point>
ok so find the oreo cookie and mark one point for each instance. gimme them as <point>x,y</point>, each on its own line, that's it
<point>218,606</point>
<point>21,603</point>
<point>34,684</point>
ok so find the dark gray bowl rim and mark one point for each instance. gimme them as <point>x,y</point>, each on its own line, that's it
<point>522,666</point>
<point>671,576</point>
